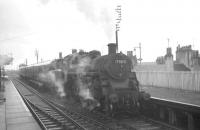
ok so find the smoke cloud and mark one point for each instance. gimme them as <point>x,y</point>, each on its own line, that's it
<point>5,60</point>
<point>98,13</point>
<point>81,68</point>
<point>80,65</point>
<point>85,84</point>
<point>54,78</point>
<point>84,90</point>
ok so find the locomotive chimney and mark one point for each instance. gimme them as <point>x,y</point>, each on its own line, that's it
<point>60,55</point>
<point>111,48</point>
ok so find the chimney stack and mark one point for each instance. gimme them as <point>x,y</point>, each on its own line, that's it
<point>130,53</point>
<point>169,51</point>
<point>60,55</point>
<point>112,48</point>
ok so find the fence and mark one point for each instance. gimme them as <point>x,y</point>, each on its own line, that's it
<point>179,80</point>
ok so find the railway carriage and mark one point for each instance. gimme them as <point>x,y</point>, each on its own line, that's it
<point>44,75</point>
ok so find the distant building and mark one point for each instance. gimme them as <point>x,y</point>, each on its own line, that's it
<point>160,60</point>
<point>166,60</point>
<point>22,65</point>
<point>186,60</point>
<point>169,60</point>
<point>190,58</point>
<point>163,63</point>
<point>132,57</point>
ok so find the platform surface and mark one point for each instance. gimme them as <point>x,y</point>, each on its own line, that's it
<point>14,114</point>
<point>184,96</point>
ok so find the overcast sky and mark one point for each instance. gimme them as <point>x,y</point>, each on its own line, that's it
<point>54,26</point>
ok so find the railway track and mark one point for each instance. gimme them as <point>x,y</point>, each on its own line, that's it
<point>131,123</point>
<point>82,119</point>
<point>51,117</point>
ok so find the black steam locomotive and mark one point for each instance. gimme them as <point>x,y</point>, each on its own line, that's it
<point>103,82</point>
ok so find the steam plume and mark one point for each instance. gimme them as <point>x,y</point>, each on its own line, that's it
<point>97,13</point>
<point>5,60</point>
<point>54,78</point>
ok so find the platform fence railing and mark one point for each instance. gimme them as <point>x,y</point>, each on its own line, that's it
<point>178,80</point>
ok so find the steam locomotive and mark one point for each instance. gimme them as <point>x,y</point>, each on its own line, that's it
<point>102,82</point>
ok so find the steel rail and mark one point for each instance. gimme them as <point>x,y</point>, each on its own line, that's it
<point>53,107</point>
<point>52,104</point>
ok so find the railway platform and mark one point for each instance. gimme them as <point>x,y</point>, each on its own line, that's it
<point>14,114</point>
<point>176,95</point>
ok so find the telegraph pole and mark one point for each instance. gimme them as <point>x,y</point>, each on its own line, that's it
<point>118,20</point>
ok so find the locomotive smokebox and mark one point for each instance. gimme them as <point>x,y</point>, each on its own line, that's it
<point>111,48</point>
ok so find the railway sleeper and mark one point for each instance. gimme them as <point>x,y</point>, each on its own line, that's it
<point>68,123</point>
<point>46,110</point>
<point>82,122</point>
<point>60,118</point>
<point>78,120</point>
<point>43,118</point>
<point>56,115</point>
<point>57,128</point>
<point>46,120</point>
<point>51,112</point>
<point>86,125</point>
<point>63,121</point>
<point>52,125</point>
<point>48,123</point>
<point>41,115</point>
<point>70,126</point>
